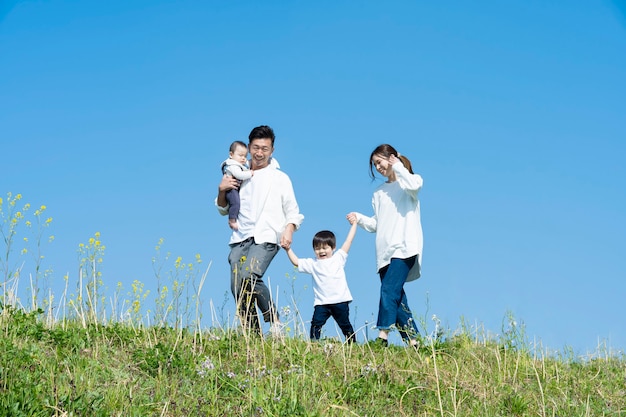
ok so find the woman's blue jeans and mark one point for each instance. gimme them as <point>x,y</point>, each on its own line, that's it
<point>394,307</point>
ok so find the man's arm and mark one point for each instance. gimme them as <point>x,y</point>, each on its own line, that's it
<point>291,211</point>
<point>287,236</point>
<point>346,245</point>
<point>227,183</point>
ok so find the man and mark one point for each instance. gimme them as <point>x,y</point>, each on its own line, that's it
<point>268,216</point>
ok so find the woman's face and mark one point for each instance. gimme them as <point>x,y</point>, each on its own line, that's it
<point>382,165</point>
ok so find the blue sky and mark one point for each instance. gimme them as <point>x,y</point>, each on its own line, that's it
<point>116,116</point>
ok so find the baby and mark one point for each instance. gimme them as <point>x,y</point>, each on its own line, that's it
<point>236,166</point>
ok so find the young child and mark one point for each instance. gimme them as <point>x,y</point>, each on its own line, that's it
<point>330,288</point>
<point>236,166</point>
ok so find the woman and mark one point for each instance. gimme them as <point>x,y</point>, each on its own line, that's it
<point>399,243</point>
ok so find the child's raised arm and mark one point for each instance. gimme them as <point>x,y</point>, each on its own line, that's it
<point>346,245</point>
<point>292,257</point>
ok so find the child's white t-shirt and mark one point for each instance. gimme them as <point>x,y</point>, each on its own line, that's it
<point>329,278</point>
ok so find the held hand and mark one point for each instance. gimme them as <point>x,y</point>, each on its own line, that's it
<point>287,237</point>
<point>285,242</point>
<point>351,217</point>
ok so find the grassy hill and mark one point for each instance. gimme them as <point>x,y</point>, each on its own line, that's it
<point>74,368</point>
<point>87,353</point>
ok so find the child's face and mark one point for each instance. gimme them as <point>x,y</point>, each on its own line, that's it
<point>240,154</point>
<point>323,252</point>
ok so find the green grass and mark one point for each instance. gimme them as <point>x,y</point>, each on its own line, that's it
<point>71,369</point>
<point>89,353</point>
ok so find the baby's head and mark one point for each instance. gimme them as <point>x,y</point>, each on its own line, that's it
<point>324,244</point>
<point>239,152</point>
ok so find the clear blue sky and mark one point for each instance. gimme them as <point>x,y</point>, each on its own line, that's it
<point>117,114</point>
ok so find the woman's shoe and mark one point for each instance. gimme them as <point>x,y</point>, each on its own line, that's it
<point>380,342</point>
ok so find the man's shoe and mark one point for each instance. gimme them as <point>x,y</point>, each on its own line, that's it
<point>276,329</point>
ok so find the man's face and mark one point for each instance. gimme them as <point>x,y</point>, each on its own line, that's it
<point>260,152</point>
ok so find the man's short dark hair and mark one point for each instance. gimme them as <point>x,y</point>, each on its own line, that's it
<point>262,132</point>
